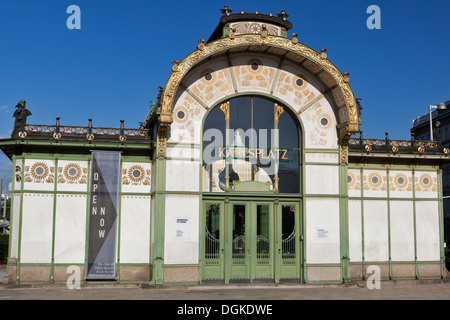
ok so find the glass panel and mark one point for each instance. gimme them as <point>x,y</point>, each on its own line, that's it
<point>251,132</point>
<point>262,234</point>
<point>212,234</point>
<point>289,169</point>
<point>238,250</point>
<point>213,144</point>
<point>263,124</point>
<point>288,234</point>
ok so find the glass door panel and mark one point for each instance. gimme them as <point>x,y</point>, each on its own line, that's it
<point>240,249</point>
<point>288,259</point>
<point>213,267</point>
<point>262,242</point>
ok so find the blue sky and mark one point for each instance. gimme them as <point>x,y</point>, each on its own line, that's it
<point>112,67</point>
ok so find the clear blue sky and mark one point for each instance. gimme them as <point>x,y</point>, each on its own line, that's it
<point>111,68</point>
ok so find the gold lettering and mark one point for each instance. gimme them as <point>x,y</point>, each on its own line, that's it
<point>221,152</point>
<point>283,157</point>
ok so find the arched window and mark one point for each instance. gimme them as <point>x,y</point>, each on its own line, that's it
<point>251,139</point>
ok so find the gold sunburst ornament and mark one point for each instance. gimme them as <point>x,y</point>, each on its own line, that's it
<point>72,172</point>
<point>136,173</point>
<point>39,171</point>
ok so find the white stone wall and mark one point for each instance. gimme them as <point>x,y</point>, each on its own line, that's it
<point>53,211</point>
<point>392,214</point>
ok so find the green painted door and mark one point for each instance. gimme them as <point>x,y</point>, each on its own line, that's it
<point>288,241</point>
<point>213,243</point>
<point>248,240</point>
<point>252,240</point>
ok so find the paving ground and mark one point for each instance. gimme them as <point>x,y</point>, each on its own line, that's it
<point>389,290</point>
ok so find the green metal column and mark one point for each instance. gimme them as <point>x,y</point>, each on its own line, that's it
<point>159,213</point>
<point>344,231</point>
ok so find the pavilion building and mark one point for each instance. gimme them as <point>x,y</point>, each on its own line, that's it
<point>244,169</point>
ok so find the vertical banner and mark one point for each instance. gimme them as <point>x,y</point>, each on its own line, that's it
<point>103,212</point>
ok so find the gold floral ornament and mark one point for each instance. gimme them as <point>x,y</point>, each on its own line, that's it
<point>136,175</point>
<point>426,182</point>
<point>72,172</point>
<point>353,181</point>
<point>39,172</point>
<point>375,180</point>
<point>400,183</point>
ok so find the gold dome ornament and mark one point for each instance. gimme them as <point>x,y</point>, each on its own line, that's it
<point>368,148</point>
<point>323,55</point>
<point>201,45</point>
<point>294,38</point>
<point>346,77</point>
<point>175,65</point>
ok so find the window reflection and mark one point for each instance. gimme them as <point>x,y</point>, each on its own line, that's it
<point>251,146</point>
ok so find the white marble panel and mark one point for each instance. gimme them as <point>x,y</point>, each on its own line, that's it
<point>355,230</point>
<point>136,177</point>
<point>354,182</point>
<point>39,175</point>
<point>254,73</point>
<point>322,230</point>
<point>322,179</point>
<point>37,225</point>
<point>400,184</point>
<point>184,152</point>
<point>426,184</point>
<point>187,120</point>
<point>14,226</point>
<point>375,183</point>
<point>319,123</point>
<point>181,231</point>
<point>427,230</point>
<point>70,228</point>
<point>296,86</point>
<point>182,175</point>
<point>376,241</point>
<point>72,175</point>
<point>322,157</point>
<point>402,230</point>
<point>135,229</point>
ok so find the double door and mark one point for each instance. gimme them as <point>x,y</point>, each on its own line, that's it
<point>251,240</point>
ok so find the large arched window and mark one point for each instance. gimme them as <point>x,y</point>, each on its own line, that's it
<point>254,141</point>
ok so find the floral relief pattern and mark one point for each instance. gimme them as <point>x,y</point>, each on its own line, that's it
<point>186,113</point>
<point>136,175</point>
<point>425,182</point>
<point>400,182</point>
<point>321,122</point>
<point>354,181</point>
<point>39,172</point>
<point>374,182</point>
<point>18,173</point>
<point>212,84</point>
<point>72,173</point>
<point>294,88</point>
<point>254,75</point>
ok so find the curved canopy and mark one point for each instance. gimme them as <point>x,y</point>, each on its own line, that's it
<point>290,48</point>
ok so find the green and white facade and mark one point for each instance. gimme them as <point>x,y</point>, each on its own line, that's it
<point>244,169</point>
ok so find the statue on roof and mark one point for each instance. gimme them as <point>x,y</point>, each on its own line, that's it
<point>226,10</point>
<point>21,115</point>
